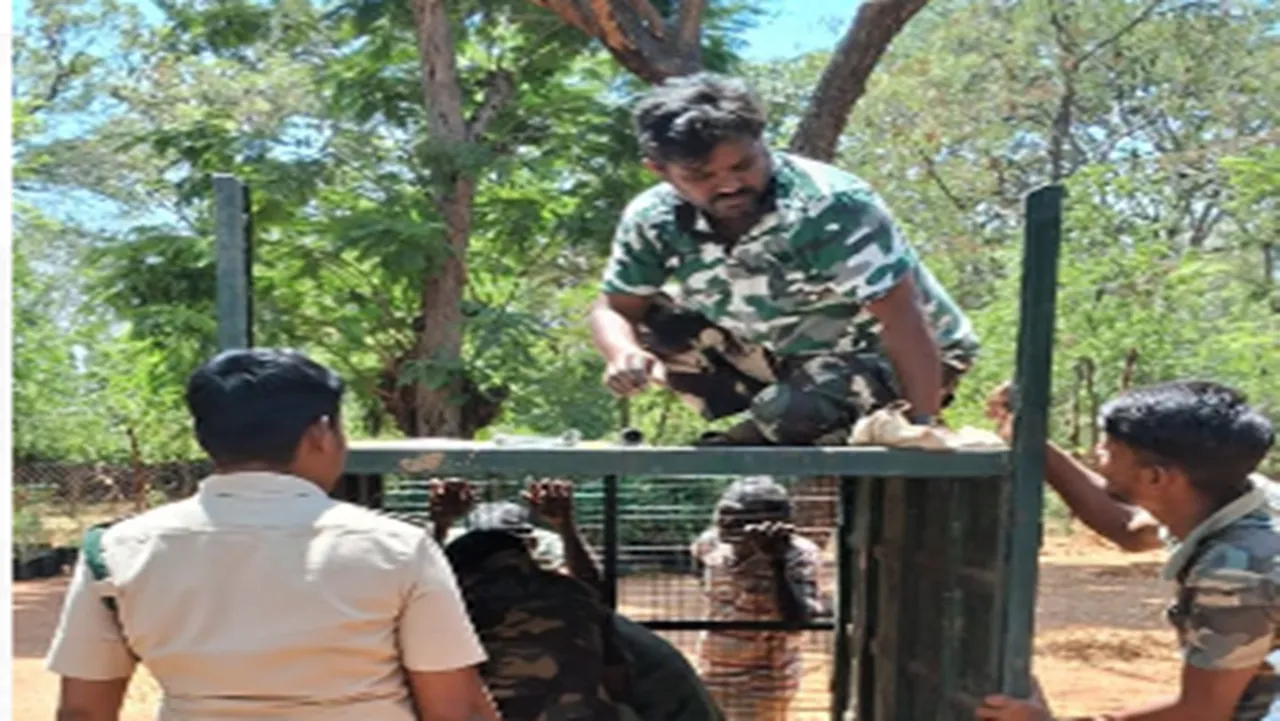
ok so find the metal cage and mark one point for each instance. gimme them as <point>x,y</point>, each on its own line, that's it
<point>936,553</point>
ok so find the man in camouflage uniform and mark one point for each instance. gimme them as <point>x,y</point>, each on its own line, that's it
<point>550,641</point>
<point>1184,453</point>
<point>453,499</point>
<point>661,685</point>
<point>797,298</point>
<point>755,569</point>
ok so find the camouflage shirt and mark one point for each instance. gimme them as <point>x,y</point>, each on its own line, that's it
<point>549,639</point>
<point>826,247</point>
<point>1227,611</point>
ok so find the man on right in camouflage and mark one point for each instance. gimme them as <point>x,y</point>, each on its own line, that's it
<point>799,299</point>
<point>1184,452</point>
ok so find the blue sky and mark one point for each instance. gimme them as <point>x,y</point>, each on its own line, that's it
<point>799,26</point>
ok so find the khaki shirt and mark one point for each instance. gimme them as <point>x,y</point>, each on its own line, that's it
<point>261,597</point>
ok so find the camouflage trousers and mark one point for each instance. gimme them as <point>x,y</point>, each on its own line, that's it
<point>811,399</point>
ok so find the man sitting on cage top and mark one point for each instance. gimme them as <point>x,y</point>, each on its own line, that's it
<point>756,568</point>
<point>799,300</point>
<point>660,684</point>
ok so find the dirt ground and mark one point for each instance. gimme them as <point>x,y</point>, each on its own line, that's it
<point>1101,639</point>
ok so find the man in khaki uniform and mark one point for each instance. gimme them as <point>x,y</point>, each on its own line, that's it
<point>260,597</point>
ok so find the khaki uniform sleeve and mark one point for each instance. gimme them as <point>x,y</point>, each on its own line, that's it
<point>435,633</point>
<point>1230,621</point>
<point>88,643</point>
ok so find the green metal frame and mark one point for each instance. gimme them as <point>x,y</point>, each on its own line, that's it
<point>234,254</point>
<point>937,565</point>
<point>463,458</point>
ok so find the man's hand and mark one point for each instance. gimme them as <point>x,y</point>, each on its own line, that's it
<point>1003,708</point>
<point>1004,427</point>
<point>552,500</point>
<point>628,373</point>
<point>771,538</point>
<point>448,500</point>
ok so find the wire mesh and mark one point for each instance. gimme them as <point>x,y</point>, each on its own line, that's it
<point>658,583</point>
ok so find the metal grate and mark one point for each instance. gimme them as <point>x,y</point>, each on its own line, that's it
<point>657,582</point>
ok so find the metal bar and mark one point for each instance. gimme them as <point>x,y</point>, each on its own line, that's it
<point>434,456</point>
<point>232,254</point>
<point>248,266</point>
<point>611,540</point>
<point>842,665</point>
<point>952,594</point>
<point>1043,237</point>
<point>691,624</point>
<point>866,610</point>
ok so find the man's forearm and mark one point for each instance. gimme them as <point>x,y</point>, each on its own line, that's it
<point>917,363</point>
<point>1085,494</point>
<point>80,714</point>
<point>612,332</point>
<point>791,604</point>
<point>1168,710</point>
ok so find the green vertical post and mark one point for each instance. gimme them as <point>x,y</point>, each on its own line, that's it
<point>842,666</point>
<point>233,251</point>
<point>1033,377</point>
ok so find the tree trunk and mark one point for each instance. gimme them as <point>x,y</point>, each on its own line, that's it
<point>844,80</point>
<point>438,407</point>
<point>450,406</point>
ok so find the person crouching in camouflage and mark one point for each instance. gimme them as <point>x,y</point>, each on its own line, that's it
<point>755,569</point>
<point>551,650</point>
<point>1183,452</point>
<point>797,298</point>
<point>661,685</point>
<point>452,499</point>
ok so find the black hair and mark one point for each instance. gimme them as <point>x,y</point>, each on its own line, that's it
<point>1207,430</point>
<point>686,117</point>
<point>254,405</point>
<point>468,552</point>
<point>758,493</point>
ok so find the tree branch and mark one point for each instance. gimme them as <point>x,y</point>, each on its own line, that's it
<point>1068,63</point>
<point>845,78</point>
<point>441,93</point>
<point>500,86</point>
<point>623,27</point>
<point>932,170</point>
<point>573,14</point>
<point>689,27</point>
<point>650,15</point>
<point>1137,20</point>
